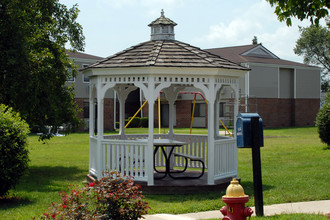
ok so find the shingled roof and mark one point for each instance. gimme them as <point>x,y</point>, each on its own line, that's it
<point>241,54</point>
<point>82,55</point>
<point>164,53</point>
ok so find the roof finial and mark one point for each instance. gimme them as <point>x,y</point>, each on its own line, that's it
<point>162,13</point>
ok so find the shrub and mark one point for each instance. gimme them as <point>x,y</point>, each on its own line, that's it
<point>110,198</point>
<point>134,123</point>
<point>323,121</point>
<point>13,148</point>
<point>144,122</point>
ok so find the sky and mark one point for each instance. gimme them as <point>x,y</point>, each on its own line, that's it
<point>111,26</point>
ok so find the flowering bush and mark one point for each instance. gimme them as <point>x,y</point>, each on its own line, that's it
<point>113,197</point>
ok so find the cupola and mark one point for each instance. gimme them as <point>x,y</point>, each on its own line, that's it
<point>162,28</point>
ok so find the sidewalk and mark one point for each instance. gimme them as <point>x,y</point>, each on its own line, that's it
<point>313,207</point>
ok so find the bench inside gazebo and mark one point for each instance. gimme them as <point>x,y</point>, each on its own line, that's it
<point>165,65</point>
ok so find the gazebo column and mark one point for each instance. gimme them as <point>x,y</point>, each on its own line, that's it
<point>100,130</point>
<point>150,150</point>
<point>217,113</point>
<point>123,90</point>
<point>122,100</point>
<point>210,142</point>
<point>210,96</point>
<point>171,118</point>
<point>236,90</point>
<point>91,111</point>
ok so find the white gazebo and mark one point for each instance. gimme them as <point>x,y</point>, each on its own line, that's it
<point>166,65</point>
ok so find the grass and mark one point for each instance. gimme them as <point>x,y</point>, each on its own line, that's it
<point>295,167</point>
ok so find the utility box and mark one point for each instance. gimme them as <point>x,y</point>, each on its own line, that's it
<point>244,131</point>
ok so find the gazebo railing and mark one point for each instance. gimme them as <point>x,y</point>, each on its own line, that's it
<point>196,145</point>
<point>225,158</point>
<point>128,156</point>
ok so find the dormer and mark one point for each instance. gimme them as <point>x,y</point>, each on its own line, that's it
<point>162,28</point>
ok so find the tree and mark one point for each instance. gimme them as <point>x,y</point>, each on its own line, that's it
<point>33,64</point>
<point>301,9</point>
<point>314,46</point>
<point>323,121</point>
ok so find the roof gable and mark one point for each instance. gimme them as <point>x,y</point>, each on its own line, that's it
<point>259,51</point>
<point>253,53</point>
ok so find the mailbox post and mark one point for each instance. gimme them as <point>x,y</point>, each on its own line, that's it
<point>249,133</point>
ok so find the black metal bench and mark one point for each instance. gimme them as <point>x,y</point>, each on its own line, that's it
<point>192,158</point>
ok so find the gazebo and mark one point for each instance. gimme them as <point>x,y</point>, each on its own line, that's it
<point>166,65</point>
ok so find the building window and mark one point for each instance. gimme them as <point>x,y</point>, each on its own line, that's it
<point>70,77</point>
<point>85,78</point>
<point>199,110</point>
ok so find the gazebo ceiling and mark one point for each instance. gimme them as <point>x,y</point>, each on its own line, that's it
<point>166,53</point>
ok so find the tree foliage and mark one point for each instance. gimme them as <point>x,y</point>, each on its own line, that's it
<point>314,46</point>
<point>323,121</point>
<point>301,9</point>
<point>13,148</point>
<point>33,64</point>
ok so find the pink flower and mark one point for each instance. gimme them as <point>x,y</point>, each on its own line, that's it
<point>46,214</point>
<point>91,184</point>
<point>53,215</point>
<point>64,206</point>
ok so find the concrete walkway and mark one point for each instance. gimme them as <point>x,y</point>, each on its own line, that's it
<point>313,207</point>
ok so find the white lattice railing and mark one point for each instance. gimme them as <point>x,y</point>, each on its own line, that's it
<point>225,158</point>
<point>196,145</point>
<point>128,156</point>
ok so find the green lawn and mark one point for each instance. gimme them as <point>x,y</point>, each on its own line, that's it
<point>295,167</point>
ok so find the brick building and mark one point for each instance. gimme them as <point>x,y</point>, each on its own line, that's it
<point>284,93</point>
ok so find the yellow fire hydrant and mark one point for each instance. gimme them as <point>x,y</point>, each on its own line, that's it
<point>235,199</point>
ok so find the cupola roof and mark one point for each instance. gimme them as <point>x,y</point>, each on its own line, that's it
<point>162,28</point>
<point>162,20</point>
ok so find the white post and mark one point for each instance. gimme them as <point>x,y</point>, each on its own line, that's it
<point>217,125</point>
<point>91,113</point>
<point>171,118</point>
<point>100,130</point>
<point>235,108</point>
<point>122,99</point>
<point>114,109</point>
<point>91,125</point>
<point>151,97</point>
<point>235,119</point>
<point>210,142</point>
<point>210,138</point>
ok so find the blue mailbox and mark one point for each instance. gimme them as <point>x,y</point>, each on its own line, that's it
<point>243,130</point>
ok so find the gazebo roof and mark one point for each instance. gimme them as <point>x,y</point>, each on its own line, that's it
<point>166,53</point>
